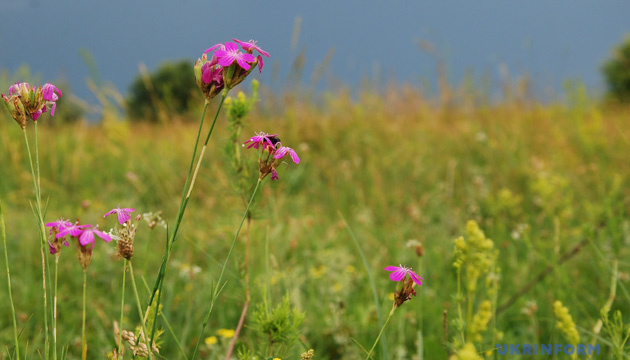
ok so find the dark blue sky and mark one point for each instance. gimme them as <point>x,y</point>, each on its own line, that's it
<point>549,40</point>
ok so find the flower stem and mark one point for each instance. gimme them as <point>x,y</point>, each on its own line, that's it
<point>83,338</point>
<point>379,315</point>
<point>6,258</point>
<point>141,313</point>
<point>190,183</point>
<point>460,323</point>
<point>380,332</point>
<point>218,285</point>
<point>241,321</point>
<point>39,216</point>
<point>54,323</point>
<point>121,347</point>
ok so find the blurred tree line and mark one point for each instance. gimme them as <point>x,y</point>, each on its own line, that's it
<point>168,91</point>
<point>617,72</point>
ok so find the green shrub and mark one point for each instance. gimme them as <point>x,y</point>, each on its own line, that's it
<point>617,72</point>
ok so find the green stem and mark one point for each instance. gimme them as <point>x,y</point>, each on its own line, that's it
<point>190,184</point>
<point>54,324</point>
<point>83,338</point>
<point>42,232</point>
<point>379,315</point>
<point>217,286</point>
<point>121,347</point>
<point>459,306</point>
<point>6,258</point>
<point>380,332</point>
<point>141,313</point>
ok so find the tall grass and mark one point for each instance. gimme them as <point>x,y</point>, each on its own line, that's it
<point>537,178</point>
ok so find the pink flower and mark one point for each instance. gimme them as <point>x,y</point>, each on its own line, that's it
<point>230,53</point>
<point>87,235</point>
<point>59,225</point>
<point>250,45</point>
<point>15,88</point>
<point>48,92</point>
<point>260,63</point>
<point>399,273</point>
<point>124,214</point>
<point>72,230</point>
<point>264,139</point>
<point>210,73</point>
<point>274,174</point>
<point>283,150</point>
<point>52,249</point>
<point>219,46</point>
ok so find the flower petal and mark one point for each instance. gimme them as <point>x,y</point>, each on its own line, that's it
<point>123,217</point>
<point>398,274</point>
<point>86,237</point>
<point>213,47</point>
<point>242,63</point>
<point>417,279</point>
<point>294,156</point>
<point>102,235</point>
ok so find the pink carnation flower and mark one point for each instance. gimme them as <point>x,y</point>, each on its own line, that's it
<point>250,46</point>
<point>230,53</point>
<point>124,214</point>
<point>59,225</point>
<point>399,273</point>
<point>72,230</point>
<point>87,235</point>
<point>283,150</point>
<point>263,139</point>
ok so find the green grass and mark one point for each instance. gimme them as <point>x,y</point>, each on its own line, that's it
<point>396,165</point>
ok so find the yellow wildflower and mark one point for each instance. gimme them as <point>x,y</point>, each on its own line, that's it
<point>211,340</point>
<point>226,333</point>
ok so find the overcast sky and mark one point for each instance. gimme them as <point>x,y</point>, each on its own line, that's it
<point>549,40</point>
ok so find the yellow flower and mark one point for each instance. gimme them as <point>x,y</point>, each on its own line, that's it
<point>226,333</point>
<point>350,269</point>
<point>211,340</point>
<point>467,352</point>
<point>391,296</point>
<point>337,287</point>
<point>319,271</point>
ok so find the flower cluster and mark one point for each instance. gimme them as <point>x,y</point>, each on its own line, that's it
<point>227,67</point>
<point>25,101</point>
<point>565,322</point>
<point>126,233</point>
<point>399,273</point>
<point>84,234</point>
<point>275,152</point>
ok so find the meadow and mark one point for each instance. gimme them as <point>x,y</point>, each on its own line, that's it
<point>400,172</point>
